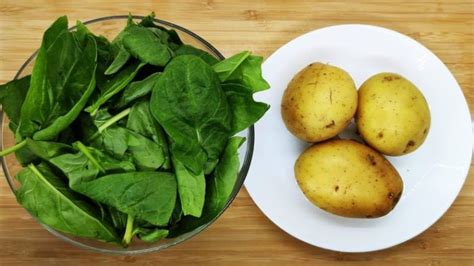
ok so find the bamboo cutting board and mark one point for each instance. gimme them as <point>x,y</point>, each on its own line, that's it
<point>243,235</point>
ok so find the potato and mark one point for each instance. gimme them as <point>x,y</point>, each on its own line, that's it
<point>349,179</point>
<point>319,102</point>
<point>393,116</point>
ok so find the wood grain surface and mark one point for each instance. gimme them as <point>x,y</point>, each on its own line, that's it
<point>243,235</point>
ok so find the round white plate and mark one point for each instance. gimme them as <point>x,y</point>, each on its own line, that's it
<point>433,175</point>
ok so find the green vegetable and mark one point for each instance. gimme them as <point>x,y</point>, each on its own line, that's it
<point>142,122</point>
<point>191,188</point>
<point>245,111</point>
<point>61,83</point>
<point>143,44</point>
<point>190,105</point>
<point>137,89</point>
<point>146,154</point>
<point>242,68</point>
<point>48,199</point>
<point>87,164</point>
<point>147,195</point>
<point>114,85</point>
<point>191,50</point>
<point>12,95</point>
<point>129,140</point>
<point>219,187</point>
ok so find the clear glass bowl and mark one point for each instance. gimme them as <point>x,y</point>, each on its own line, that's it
<point>109,27</point>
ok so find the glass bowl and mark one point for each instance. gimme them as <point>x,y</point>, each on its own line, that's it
<point>110,27</point>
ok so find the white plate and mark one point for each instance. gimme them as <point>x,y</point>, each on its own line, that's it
<point>433,175</point>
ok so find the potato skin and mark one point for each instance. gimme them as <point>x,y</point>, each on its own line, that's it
<point>349,179</point>
<point>319,102</point>
<point>393,116</point>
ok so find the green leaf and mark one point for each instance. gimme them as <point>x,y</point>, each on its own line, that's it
<point>143,44</point>
<point>191,188</point>
<point>191,50</point>
<point>137,89</point>
<point>190,105</point>
<point>151,235</point>
<point>146,154</point>
<point>242,68</point>
<point>147,195</point>
<point>226,67</point>
<point>87,164</point>
<point>12,96</point>
<point>61,83</point>
<point>119,61</point>
<point>148,21</point>
<point>142,122</point>
<point>245,111</point>
<point>114,85</point>
<point>219,187</point>
<point>46,149</point>
<point>49,200</point>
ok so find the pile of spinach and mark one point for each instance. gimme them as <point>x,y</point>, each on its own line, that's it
<point>134,137</point>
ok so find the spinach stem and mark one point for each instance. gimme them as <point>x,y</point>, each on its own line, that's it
<point>110,122</point>
<point>13,148</point>
<point>89,156</point>
<point>114,119</point>
<point>127,236</point>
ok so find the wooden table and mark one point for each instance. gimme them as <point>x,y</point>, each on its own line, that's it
<point>243,235</point>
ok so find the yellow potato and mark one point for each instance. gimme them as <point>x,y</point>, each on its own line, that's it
<point>319,102</point>
<point>393,116</point>
<point>349,179</point>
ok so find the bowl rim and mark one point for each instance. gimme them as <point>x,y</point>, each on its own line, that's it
<point>245,165</point>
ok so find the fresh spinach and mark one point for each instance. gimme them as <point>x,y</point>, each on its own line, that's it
<point>61,83</point>
<point>191,188</point>
<point>49,199</point>
<point>242,68</point>
<point>142,122</point>
<point>219,187</point>
<point>186,49</point>
<point>146,46</point>
<point>12,96</point>
<point>129,139</point>
<point>191,106</point>
<point>87,164</point>
<point>245,111</point>
<point>114,85</point>
<point>146,195</point>
<point>137,89</point>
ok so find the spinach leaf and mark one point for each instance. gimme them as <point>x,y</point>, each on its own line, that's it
<point>146,195</point>
<point>143,44</point>
<point>219,187</point>
<point>114,85</point>
<point>242,68</point>
<point>119,61</point>
<point>46,149</point>
<point>87,164</point>
<point>174,40</point>
<point>12,96</point>
<point>185,49</point>
<point>49,200</point>
<point>191,188</point>
<point>146,154</point>
<point>137,89</point>
<point>190,105</point>
<point>151,235</point>
<point>61,83</point>
<point>245,111</point>
<point>142,122</point>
